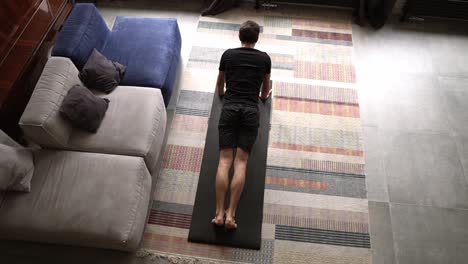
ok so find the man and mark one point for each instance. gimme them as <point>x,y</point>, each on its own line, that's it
<point>243,70</point>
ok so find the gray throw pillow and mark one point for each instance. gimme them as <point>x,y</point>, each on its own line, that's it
<point>100,73</point>
<point>16,168</point>
<point>84,110</point>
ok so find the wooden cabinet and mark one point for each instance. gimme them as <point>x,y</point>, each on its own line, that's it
<point>27,31</point>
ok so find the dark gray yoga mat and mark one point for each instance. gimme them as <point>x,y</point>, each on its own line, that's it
<point>250,210</point>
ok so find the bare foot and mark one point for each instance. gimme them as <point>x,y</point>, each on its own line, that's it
<point>218,219</point>
<point>230,223</point>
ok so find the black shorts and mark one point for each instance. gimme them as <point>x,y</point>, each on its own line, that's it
<point>238,126</point>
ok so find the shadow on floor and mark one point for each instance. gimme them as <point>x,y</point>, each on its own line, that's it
<point>425,25</point>
<point>18,252</point>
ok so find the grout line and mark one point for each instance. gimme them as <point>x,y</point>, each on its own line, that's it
<point>428,206</point>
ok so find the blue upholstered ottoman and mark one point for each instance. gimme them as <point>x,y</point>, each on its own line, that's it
<point>149,47</point>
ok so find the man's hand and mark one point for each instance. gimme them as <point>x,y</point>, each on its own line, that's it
<point>266,98</point>
<point>220,84</point>
<point>221,92</point>
<point>266,89</point>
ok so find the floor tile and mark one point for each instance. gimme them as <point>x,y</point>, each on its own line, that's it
<point>381,233</point>
<point>177,87</point>
<point>424,169</point>
<point>407,102</point>
<point>462,147</point>
<point>449,54</point>
<point>429,235</point>
<point>455,95</point>
<point>376,183</point>
<point>392,50</point>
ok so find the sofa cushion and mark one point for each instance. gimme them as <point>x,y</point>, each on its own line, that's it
<point>83,31</point>
<point>83,109</point>
<point>5,139</point>
<point>16,168</point>
<point>134,125</point>
<point>41,121</point>
<point>150,52</point>
<point>84,199</point>
<point>100,73</point>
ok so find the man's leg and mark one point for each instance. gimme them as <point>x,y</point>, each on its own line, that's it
<point>222,181</point>
<point>237,185</point>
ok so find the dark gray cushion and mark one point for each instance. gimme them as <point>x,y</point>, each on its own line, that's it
<point>84,110</point>
<point>100,73</point>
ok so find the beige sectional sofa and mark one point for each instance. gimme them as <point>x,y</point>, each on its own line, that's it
<point>87,189</point>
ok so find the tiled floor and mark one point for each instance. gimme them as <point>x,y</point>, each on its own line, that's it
<point>413,80</point>
<point>414,101</point>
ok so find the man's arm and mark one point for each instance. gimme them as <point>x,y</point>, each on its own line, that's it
<point>220,84</point>
<point>266,89</point>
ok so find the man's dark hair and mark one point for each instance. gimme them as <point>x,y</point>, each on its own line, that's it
<point>249,31</point>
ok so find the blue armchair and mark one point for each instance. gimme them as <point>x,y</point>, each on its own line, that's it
<point>149,47</point>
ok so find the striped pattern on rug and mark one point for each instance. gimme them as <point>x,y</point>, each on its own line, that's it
<point>315,207</point>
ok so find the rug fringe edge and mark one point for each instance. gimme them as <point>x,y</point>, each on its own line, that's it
<point>172,258</point>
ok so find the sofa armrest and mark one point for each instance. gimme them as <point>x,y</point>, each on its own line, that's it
<point>84,30</point>
<point>41,121</point>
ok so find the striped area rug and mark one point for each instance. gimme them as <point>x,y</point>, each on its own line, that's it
<point>315,199</point>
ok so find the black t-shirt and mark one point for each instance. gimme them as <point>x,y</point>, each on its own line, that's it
<point>244,70</point>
